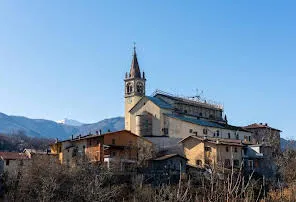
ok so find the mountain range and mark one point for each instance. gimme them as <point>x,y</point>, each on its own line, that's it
<point>51,129</point>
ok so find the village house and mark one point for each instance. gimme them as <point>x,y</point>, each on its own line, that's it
<point>258,158</point>
<point>166,169</point>
<point>120,147</point>
<point>11,162</point>
<point>170,163</point>
<point>263,133</point>
<point>205,151</point>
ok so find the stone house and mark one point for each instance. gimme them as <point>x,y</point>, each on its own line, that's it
<point>263,133</point>
<point>11,162</point>
<point>206,151</point>
<point>120,147</point>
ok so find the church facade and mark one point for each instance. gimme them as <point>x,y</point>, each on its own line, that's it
<point>167,115</point>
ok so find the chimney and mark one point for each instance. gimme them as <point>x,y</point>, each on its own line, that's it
<point>109,130</point>
<point>97,132</point>
<point>100,132</point>
<point>72,137</point>
<point>260,123</point>
<point>56,140</point>
<point>79,136</point>
<point>266,124</point>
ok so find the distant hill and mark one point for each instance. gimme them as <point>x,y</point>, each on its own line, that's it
<point>288,144</point>
<point>112,124</point>
<point>52,129</point>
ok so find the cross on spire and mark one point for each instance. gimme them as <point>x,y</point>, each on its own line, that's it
<point>134,47</point>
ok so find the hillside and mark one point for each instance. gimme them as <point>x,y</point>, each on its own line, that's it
<point>288,144</point>
<point>51,129</point>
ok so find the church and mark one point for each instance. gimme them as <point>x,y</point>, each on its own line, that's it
<point>164,115</point>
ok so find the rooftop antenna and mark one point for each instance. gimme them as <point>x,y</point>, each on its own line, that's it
<point>198,95</point>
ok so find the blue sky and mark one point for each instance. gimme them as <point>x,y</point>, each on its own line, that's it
<point>68,58</point>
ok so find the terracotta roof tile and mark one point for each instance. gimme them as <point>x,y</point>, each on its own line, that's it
<point>256,125</point>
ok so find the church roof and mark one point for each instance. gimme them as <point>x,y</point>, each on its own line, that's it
<point>159,102</point>
<point>135,69</point>
<point>195,121</point>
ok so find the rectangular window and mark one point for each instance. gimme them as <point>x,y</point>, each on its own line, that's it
<point>113,141</point>
<point>227,149</point>
<point>249,138</point>
<point>166,131</point>
<point>218,133</point>
<point>208,162</point>
<point>208,149</point>
<point>236,163</point>
<point>7,162</point>
<point>228,135</point>
<point>235,149</point>
<point>250,164</point>
<point>190,131</point>
<point>227,163</point>
<point>237,136</point>
<point>205,131</point>
<point>198,162</point>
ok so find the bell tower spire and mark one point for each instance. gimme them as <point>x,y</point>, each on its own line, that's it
<point>134,87</point>
<point>135,69</point>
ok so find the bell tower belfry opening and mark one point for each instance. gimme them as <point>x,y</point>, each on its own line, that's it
<point>134,83</point>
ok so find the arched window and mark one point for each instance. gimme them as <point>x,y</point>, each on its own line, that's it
<point>139,87</point>
<point>129,88</point>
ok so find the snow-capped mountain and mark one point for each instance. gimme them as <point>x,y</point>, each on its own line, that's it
<point>52,129</point>
<point>70,122</point>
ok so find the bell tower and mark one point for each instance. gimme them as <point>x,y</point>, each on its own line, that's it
<point>134,84</point>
